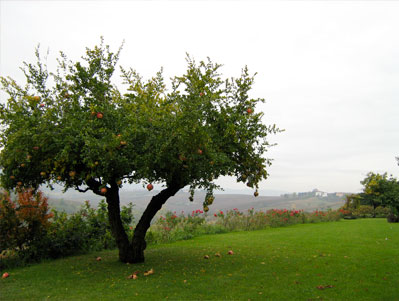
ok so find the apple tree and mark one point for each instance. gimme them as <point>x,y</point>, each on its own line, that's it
<point>76,128</point>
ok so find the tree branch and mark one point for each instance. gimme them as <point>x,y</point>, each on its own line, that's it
<point>82,190</point>
<point>94,186</point>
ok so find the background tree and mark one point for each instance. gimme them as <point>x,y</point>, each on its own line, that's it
<point>381,190</point>
<point>75,128</point>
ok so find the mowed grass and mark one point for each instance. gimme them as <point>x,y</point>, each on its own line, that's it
<point>356,259</point>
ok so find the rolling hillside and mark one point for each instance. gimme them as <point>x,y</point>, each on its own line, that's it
<point>71,201</point>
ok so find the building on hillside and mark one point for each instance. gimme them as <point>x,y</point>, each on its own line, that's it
<point>320,193</point>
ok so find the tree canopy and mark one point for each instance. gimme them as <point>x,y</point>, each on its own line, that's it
<point>75,127</point>
<point>381,190</point>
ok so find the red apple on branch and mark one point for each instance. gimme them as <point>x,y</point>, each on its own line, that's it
<point>103,190</point>
<point>250,111</point>
<point>100,115</point>
<point>150,187</point>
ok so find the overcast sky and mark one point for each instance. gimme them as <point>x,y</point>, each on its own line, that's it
<point>328,70</point>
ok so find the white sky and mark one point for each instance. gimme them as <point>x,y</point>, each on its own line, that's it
<point>328,70</point>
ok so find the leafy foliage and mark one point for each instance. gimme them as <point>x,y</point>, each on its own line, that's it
<point>381,189</point>
<point>30,233</point>
<point>83,128</point>
<point>23,220</point>
<point>84,231</point>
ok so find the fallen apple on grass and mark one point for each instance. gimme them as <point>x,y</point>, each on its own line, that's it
<point>206,257</point>
<point>133,276</point>
<point>5,275</point>
<point>230,252</point>
<point>98,258</point>
<point>147,273</point>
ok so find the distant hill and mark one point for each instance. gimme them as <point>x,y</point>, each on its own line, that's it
<point>71,201</point>
<point>60,204</point>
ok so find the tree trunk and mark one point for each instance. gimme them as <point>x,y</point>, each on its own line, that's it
<point>114,217</point>
<point>139,244</point>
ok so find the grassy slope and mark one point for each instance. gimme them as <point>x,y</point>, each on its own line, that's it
<point>359,258</point>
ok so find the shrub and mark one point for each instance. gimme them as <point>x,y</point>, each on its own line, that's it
<point>363,211</point>
<point>382,211</point>
<point>234,220</point>
<point>24,223</point>
<point>392,218</point>
<point>346,212</point>
<point>86,230</point>
<point>30,233</point>
<point>172,227</point>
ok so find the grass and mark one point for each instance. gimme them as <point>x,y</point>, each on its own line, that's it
<point>355,259</point>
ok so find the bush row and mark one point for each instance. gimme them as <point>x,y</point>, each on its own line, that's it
<point>365,211</point>
<point>30,232</point>
<point>173,227</point>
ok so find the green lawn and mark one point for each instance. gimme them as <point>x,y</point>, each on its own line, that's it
<point>356,259</point>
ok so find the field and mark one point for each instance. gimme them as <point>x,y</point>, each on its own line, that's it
<point>355,259</point>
